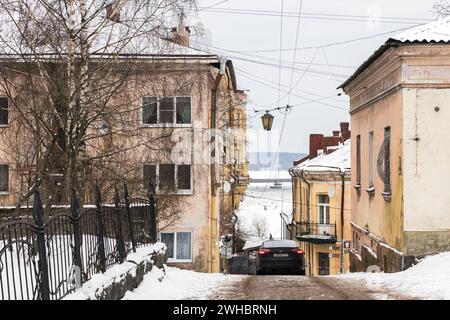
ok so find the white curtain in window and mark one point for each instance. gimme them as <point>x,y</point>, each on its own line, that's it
<point>184,245</point>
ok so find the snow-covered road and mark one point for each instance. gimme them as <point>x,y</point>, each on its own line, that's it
<point>179,284</point>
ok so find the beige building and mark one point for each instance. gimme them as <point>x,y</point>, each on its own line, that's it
<point>173,105</point>
<point>399,116</point>
<point>321,203</point>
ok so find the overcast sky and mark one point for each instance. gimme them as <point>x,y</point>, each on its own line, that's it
<point>322,23</point>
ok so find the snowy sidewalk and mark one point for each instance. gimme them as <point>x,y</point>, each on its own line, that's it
<point>180,284</point>
<point>429,279</point>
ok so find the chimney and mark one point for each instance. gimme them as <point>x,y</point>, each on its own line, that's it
<point>113,12</point>
<point>336,133</point>
<point>180,35</point>
<point>332,141</point>
<point>345,132</point>
<point>315,143</point>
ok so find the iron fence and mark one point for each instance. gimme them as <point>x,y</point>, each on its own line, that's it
<point>46,259</point>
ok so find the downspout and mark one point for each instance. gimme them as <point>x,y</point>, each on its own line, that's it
<point>342,222</point>
<point>213,208</point>
<point>308,215</point>
<point>293,222</point>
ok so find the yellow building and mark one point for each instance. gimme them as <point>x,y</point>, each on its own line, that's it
<point>321,212</point>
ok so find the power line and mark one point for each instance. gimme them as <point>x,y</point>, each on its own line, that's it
<point>392,20</point>
<point>294,202</point>
<point>328,44</point>
<point>296,14</point>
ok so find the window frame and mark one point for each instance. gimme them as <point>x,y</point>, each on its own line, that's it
<point>371,185</point>
<point>176,191</point>
<point>358,162</point>
<point>6,192</point>
<point>8,115</point>
<point>175,233</point>
<point>158,124</point>
<point>325,206</point>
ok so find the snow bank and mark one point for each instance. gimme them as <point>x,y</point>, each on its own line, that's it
<point>115,274</point>
<point>429,279</point>
<point>178,284</point>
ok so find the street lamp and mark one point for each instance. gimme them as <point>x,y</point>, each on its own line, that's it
<point>267,121</point>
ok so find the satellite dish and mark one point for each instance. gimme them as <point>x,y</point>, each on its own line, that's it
<point>373,269</point>
<point>331,191</point>
<point>226,187</point>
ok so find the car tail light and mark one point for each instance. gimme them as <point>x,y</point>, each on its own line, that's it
<point>263,251</point>
<point>298,251</point>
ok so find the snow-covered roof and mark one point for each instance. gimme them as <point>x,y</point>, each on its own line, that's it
<point>434,32</point>
<point>338,160</point>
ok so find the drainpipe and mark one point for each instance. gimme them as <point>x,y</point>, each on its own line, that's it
<point>293,203</point>
<point>342,223</point>
<point>213,208</point>
<point>308,215</point>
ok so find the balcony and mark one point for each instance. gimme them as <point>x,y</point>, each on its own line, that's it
<point>319,233</point>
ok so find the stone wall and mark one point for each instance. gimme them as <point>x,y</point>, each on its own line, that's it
<point>421,243</point>
<point>388,259</point>
<point>115,282</point>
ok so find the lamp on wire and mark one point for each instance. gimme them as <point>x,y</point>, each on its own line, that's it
<point>267,121</point>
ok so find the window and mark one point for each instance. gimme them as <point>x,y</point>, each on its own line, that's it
<point>149,175</point>
<point>168,178</point>
<point>387,159</point>
<point>3,111</point>
<point>184,177</point>
<point>149,110</point>
<point>371,159</point>
<point>324,209</point>
<point>179,245</point>
<point>4,178</point>
<point>183,110</point>
<point>358,160</point>
<point>384,163</point>
<point>166,110</point>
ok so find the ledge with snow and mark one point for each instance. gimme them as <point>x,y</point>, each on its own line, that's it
<point>116,281</point>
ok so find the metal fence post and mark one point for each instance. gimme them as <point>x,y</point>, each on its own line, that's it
<point>153,214</point>
<point>38,214</point>
<point>130,218</point>
<point>75,211</point>
<point>119,233</point>
<point>101,244</point>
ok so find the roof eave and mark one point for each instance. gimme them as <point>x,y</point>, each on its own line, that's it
<point>388,44</point>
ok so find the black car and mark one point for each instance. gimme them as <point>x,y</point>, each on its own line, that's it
<point>280,256</point>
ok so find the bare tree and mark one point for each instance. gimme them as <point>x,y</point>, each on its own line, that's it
<point>68,68</point>
<point>442,8</point>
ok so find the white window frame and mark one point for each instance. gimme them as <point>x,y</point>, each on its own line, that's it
<point>325,206</point>
<point>9,179</point>
<point>174,259</point>
<point>177,191</point>
<point>5,125</point>
<point>174,124</point>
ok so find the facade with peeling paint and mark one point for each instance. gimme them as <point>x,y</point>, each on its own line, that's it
<point>399,116</point>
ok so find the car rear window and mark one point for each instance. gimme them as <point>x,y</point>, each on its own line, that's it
<point>280,244</point>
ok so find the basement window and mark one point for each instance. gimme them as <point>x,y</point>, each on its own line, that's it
<point>4,178</point>
<point>179,246</point>
<point>4,112</point>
